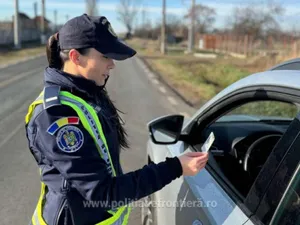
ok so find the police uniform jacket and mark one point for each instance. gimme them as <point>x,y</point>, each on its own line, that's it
<point>73,178</point>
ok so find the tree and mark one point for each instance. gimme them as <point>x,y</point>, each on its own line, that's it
<point>173,23</point>
<point>257,20</point>
<point>204,17</point>
<point>127,10</point>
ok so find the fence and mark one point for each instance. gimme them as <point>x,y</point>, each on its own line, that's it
<point>28,31</point>
<point>7,36</point>
<point>248,46</point>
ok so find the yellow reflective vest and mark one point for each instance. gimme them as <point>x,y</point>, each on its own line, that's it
<point>91,123</point>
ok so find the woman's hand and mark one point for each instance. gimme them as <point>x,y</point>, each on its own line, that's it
<point>193,162</point>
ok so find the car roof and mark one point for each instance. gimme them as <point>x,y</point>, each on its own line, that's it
<point>279,78</point>
<point>293,64</point>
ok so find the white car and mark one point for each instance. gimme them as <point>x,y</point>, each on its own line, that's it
<point>253,173</point>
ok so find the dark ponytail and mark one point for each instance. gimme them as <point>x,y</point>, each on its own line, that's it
<point>53,52</point>
<point>56,59</point>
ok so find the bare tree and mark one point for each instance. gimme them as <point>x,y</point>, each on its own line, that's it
<point>127,10</point>
<point>204,16</point>
<point>145,28</point>
<point>257,20</point>
<point>173,22</point>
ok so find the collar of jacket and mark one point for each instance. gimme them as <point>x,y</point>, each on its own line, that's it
<point>70,82</point>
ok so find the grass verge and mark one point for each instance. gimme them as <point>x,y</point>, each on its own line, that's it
<point>196,79</point>
<point>10,55</point>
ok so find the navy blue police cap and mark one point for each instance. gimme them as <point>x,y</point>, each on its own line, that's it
<point>93,32</point>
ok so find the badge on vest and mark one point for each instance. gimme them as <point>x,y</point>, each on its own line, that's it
<point>69,139</point>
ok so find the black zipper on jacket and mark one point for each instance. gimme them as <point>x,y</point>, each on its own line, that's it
<point>60,211</point>
<point>64,206</point>
<point>72,217</point>
<point>66,215</point>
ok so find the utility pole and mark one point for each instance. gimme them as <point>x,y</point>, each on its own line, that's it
<point>163,29</point>
<point>67,18</point>
<point>91,7</point>
<point>35,14</point>
<point>143,16</point>
<point>43,35</point>
<point>55,20</point>
<point>143,22</point>
<point>191,28</point>
<point>16,26</point>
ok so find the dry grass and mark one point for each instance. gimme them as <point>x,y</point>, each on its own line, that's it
<point>196,79</point>
<point>144,47</point>
<point>8,56</point>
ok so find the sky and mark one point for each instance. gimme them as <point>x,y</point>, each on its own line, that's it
<point>71,8</point>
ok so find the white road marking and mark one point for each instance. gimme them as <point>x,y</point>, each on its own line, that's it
<point>162,89</point>
<point>155,81</point>
<point>151,75</point>
<point>172,100</point>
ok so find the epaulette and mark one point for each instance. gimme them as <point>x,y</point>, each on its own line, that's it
<point>51,96</point>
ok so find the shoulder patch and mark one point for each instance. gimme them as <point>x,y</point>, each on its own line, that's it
<point>69,139</point>
<point>62,122</point>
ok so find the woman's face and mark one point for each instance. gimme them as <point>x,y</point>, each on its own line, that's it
<point>95,66</point>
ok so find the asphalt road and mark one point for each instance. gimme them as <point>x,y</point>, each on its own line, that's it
<point>135,91</point>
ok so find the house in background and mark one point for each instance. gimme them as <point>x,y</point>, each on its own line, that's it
<point>30,29</point>
<point>47,23</point>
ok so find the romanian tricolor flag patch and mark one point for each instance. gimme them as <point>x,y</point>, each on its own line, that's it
<point>62,122</point>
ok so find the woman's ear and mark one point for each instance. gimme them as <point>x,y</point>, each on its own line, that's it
<point>75,56</point>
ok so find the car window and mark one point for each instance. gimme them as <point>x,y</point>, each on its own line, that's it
<point>261,110</point>
<point>244,139</point>
<point>288,211</point>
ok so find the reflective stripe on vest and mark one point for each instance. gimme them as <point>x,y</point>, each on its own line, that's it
<point>91,123</point>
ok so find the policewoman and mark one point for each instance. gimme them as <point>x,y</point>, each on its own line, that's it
<point>75,133</point>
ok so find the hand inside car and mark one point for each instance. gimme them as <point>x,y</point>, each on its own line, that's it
<point>193,162</point>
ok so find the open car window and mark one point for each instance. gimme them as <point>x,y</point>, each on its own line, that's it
<point>244,138</point>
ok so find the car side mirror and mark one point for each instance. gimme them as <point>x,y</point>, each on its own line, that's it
<point>166,130</point>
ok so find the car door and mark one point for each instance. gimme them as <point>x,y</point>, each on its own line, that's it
<point>196,199</point>
<point>288,209</point>
<point>218,202</point>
